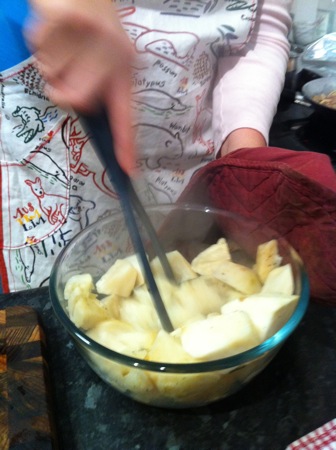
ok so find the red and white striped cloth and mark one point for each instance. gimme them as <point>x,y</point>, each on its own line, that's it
<point>323,438</point>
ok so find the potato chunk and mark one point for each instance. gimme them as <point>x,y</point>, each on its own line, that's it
<point>267,259</point>
<point>219,336</point>
<point>239,277</point>
<point>181,268</point>
<point>122,337</point>
<point>120,279</point>
<point>268,312</point>
<point>279,281</point>
<point>85,310</point>
<point>206,262</point>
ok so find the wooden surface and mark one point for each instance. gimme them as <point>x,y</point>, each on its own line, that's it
<point>25,419</point>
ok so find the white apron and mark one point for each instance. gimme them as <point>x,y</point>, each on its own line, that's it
<point>52,185</point>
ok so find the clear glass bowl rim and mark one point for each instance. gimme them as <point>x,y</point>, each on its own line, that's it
<point>80,337</point>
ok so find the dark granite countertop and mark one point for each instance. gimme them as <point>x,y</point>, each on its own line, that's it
<point>295,394</point>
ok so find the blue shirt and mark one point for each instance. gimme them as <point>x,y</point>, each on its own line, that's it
<point>13,48</point>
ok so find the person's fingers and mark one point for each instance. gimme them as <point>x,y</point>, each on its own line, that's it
<point>85,78</point>
<point>81,92</point>
<point>76,58</point>
<point>87,16</point>
<point>46,18</point>
<point>66,98</point>
<point>85,56</point>
<point>59,48</point>
<point>73,11</point>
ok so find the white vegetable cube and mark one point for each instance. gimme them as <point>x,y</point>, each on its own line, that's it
<point>239,277</point>
<point>141,315</point>
<point>188,299</point>
<point>111,304</point>
<point>206,262</point>
<point>215,252</point>
<point>168,291</point>
<point>122,337</point>
<point>279,281</point>
<point>219,336</point>
<point>205,294</point>
<point>181,388</point>
<point>181,268</point>
<point>78,285</point>
<point>268,312</point>
<point>134,260</point>
<point>87,311</point>
<point>136,380</point>
<point>267,258</point>
<point>179,316</point>
<point>84,309</point>
<point>167,348</point>
<point>142,295</point>
<point>120,279</point>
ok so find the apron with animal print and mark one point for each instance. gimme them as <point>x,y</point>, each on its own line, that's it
<point>178,44</point>
<point>52,185</point>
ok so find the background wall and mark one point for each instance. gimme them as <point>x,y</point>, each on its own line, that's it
<point>323,12</point>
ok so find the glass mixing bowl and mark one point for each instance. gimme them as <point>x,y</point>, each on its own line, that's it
<point>182,227</point>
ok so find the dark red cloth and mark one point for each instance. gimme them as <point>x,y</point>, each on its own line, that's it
<point>291,192</point>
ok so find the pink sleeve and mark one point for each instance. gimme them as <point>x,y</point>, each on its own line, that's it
<point>248,86</point>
